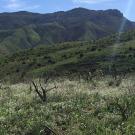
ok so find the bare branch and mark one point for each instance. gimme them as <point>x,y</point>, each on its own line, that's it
<point>43,88</point>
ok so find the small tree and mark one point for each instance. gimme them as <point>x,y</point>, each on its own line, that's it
<point>42,88</point>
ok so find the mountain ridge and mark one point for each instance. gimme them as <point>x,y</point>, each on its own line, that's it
<point>23,30</point>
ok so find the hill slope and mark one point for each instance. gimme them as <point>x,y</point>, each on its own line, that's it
<point>67,57</point>
<point>23,30</point>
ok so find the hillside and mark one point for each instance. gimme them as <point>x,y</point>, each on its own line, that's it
<point>67,57</point>
<point>69,72</point>
<point>74,108</point>
<point>23,30</point>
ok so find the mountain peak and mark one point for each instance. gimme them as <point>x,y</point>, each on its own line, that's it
<point>114,12</point>
<point>111,12</point>
<point>22,12</point>
<point>79,9</point>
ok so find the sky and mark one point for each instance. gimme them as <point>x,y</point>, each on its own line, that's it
<point>49,6</point>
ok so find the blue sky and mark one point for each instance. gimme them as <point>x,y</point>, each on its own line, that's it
<point>47,6</point>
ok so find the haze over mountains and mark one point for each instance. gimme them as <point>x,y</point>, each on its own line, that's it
<point>23,30</point>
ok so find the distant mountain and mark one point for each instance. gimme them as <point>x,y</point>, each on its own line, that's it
<point>23,30</point>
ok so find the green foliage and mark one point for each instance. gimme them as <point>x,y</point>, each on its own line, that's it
<point>67,57</point>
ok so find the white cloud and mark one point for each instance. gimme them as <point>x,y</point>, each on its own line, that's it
<point>13,4</point>
<point>19,5</point>
<point>91,1</point>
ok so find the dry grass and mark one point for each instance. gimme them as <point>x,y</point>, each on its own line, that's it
<point>18,101</point>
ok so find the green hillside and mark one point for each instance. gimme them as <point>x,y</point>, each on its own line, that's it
<point>18,40</point>
<point>73,57</point>
<point>24,30</point>
<point>67,73</point>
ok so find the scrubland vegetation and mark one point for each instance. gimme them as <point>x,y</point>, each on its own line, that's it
<point>86,88</point>
<point>67,73</point>
<point>74,107</point>
<point>67,57</point>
